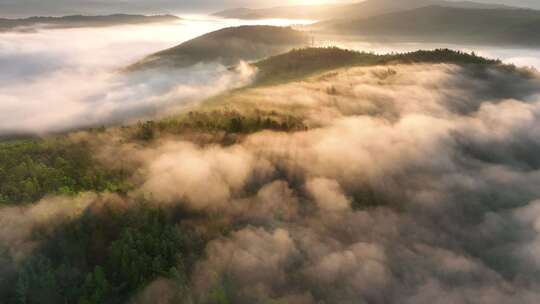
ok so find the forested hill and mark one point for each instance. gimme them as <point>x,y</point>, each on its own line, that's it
<point>74,21</point>
<point>228,46</point>
<point>33,168</point>
<point>444,24</point>
<point>300,63</point>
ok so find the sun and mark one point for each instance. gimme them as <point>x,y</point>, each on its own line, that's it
<point>314,2</point>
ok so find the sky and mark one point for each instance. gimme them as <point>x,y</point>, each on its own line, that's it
<point>19,8</point>
<point>10,8</point>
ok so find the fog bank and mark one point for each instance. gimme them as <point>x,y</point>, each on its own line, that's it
<point>62,79</point>
<point>419,184</point>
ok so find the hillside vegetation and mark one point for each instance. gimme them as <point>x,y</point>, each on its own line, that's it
<point>220,116</point>
<point>31,169</point>
<point>299,63</point>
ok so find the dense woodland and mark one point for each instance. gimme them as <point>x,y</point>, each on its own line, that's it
<point>104,257</point>
<point>31,169</point>
<point>108,255</point>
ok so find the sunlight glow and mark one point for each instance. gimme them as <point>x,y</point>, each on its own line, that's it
<point>316,2</point>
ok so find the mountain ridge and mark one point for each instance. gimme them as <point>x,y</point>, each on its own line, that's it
<point>444,24</point>
<point>364,9</point>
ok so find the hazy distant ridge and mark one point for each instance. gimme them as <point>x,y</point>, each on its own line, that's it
<point>83,21</point>
<point>444,24</point>
<point>364,9</point>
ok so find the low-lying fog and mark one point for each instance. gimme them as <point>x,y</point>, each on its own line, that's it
<point>60,79</point>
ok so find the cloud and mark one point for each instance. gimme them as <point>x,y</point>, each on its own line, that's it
<point>328,194</point>
<point>419,185</point>
<point>55,7</point>
<point>87,99</point>
<point>414,184</point>
<point>19,223</point>
<point>48,88</point>
<point>203,177</point>
<point>254,258</point>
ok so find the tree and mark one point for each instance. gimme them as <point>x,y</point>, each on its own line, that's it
<point>144,252</point>
<point>146,131</point>
<point>36,282</point>
<point>96,287</point>
<point>237,125</point>
<point>30,169</point>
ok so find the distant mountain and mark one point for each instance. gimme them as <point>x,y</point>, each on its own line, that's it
<point>364,9</point>
<point>291,12</point>
<point>445,24</point>
<point>82,21</point>
<point>531,4</point>
<point>228,46</point>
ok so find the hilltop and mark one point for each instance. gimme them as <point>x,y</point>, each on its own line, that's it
<point>233,114</point>
<point>300,63</point>
<point>228,46</point>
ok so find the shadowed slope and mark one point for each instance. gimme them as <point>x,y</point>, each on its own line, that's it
<point>228,46</point>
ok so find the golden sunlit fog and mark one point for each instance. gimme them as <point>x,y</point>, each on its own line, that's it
<point>371,152</point>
